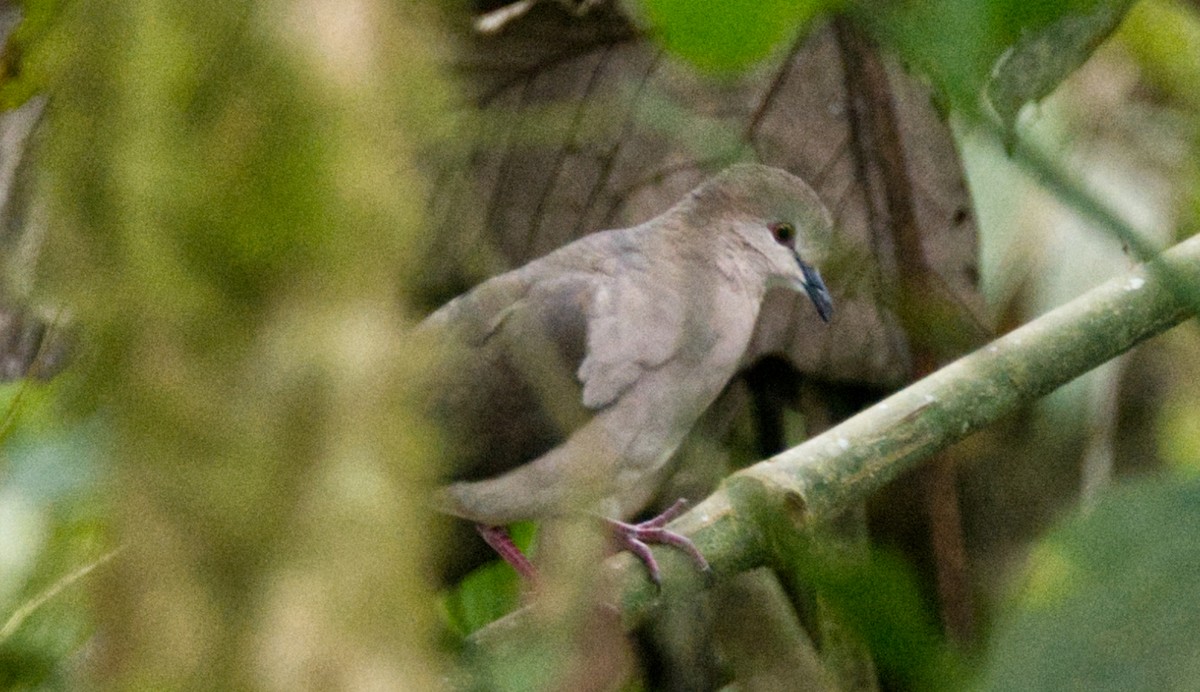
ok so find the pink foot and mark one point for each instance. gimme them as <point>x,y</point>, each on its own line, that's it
<point>498,538</point>
<point>636,537</point>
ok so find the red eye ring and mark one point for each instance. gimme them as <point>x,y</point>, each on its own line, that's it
<point>784,232</point>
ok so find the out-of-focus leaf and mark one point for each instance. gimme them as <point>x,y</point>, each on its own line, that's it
<point>54,537</point>
<point>1179,434</point>
<point>876,598</point>
<point>727,36</point>
<point>880,601</point>
<point>1164,37</point>
<point>18,83</point>
<point>484,595</point>
<point>1110,600</point>
<point>970,36</point>
<point>231,194</point>
<point>1040,59</point>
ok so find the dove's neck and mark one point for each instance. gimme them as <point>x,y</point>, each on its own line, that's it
<point>710,249</point>
<point>718,278</point>
<point>741,264</point>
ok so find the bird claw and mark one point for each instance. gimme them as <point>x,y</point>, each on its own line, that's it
<point>636,539</point>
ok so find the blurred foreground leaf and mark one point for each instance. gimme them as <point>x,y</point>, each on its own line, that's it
<point>20,76</point>
<point>880,601</point>
<point>1042,58</point>
<point>1110,599</point>
<point>233,204</point>
<point>728,36</point>
<point>53,537</point>
<point>1164,36</point>
<point>958,44</point>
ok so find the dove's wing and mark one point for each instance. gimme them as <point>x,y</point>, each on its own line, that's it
<point>533,354</point>
<point>631,329</point>
<point>504,388</point>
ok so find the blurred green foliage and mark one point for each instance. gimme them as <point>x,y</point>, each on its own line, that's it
<point>1164,37</point>
<point>1039,59</point>
<point>1109,600</point>
<point>957,43</point>
<point>55,532</point>
<point>729,36</point>
<point>878,599</point>
<point>22,69</point>
<point>971,38</point>
<point>234,205</point>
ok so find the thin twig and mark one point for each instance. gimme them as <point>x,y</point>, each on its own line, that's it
<point>21,614</point>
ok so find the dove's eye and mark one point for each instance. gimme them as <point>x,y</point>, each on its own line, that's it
<point>785,233</point>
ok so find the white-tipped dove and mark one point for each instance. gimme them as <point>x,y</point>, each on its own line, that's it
<point>567,384</point>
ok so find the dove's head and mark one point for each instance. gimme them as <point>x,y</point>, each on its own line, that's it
<point>774,223</point>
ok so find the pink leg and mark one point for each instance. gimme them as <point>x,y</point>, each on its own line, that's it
<point>635,537</point>
<point>498,538</point>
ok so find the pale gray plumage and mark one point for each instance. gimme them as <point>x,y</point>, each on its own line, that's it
<point>568,383</point>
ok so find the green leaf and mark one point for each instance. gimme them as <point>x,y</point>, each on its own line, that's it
<point>1110,601</point>
<point>1041,59</point>
<point>23,65</point>
<point>1164,37</point>
<point>1022,49</point>
<point>728,36</point>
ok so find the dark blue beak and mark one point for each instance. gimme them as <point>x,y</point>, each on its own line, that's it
<point>817,293</point>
